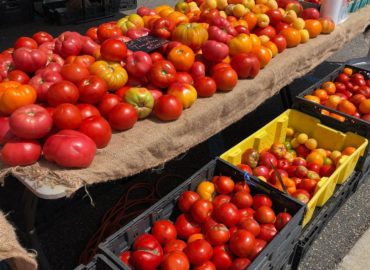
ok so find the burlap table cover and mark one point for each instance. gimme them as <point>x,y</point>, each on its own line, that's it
<point>10,249</point>
<point>151,143</point>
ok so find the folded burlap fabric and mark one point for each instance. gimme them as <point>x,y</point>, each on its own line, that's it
<point>10,249</point>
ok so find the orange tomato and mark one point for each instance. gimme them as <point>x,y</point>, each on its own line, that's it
<point>321,152</point>
<point>251,19</point>
<point>292,36</point>
<point>235,2</point>
<point>312,98</point>
<point>321,94</point>
<point>347,107</point>
<point>242,43</point>
<point>260,9</point>
<point>365,106</point>
<point>314,27</point>
<point>348,151</point>
<point>256,41</point>
<point>14,95</point>
<point>333,101</point>
<point>178,17</point>
<point>195,236</point>
<point>149,20</point>
<point>193,35</point>
<point>338,117</point>
<point>193,16</point>
<point>327,25</point>
<point>263,54</point>
<point>315,157</point>
<point>231,19</point>
<point>272,47</point>
<point>162,7</point>
<point>164,13</point>
<point>182,57</point>
<point>329,87</point>
<point>348,71</point>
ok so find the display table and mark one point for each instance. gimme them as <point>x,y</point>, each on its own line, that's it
<point>151,143</point>
<point>10,249</point>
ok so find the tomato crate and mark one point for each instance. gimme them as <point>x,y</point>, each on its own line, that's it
<point>99,262</point>
<point>351,123</point>
<point>273,256</point>
<point>275,131</point>
<point>322,216</point>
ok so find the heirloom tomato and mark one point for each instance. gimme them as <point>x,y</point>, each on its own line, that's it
<point>182,57</point>
<point>162,74</point>
<point>20,152</point>
<point>112,73</point>
<point>14,95</point>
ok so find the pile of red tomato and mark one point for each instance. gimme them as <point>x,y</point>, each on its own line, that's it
<point>61,96</point>
<point>226,231</point>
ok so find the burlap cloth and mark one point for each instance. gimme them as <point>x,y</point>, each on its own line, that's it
<point>10,250</point>
<point>151,143</point>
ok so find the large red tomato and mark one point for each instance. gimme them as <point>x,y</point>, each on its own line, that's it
<point>108,102</point>
<point>217,234</point>
<point>164,231</point>
<point>18,76</point>
<point>5,133</point>
<point>30,122</point>
<point>175,260</point>
<point>201,210</point>
<point>139,64</point>
<point>225,78</point>
<point>122,116</point>
<point>162,74</point>
<point>185,226</point>
<point>67,116</point>
<point>113,50</point>
<point>147,252</point>
<point>242,243</point>
<point>98,129</point>
<point>108,30</point>
<point>92,89</point>
<point>205,86</point>
<point>25,42</point>
<point>29,60</point>
<point>62,92</point>
<point>74,72</point>
<point>20,152</point>
<point>227,214</point>
<point>222,258</point>
<point>42,37</point>
<point>215,51</point>
<point>198,252</point>
<point>168,108</point>
<point>246,65</point>
<point>88,110</point>
<point>186,200</point>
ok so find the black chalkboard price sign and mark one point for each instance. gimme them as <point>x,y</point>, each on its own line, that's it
<point>146,44</point>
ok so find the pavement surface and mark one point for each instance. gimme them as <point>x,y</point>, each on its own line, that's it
<point>64,226</point>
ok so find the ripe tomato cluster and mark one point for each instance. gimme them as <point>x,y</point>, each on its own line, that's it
<point>296,165</point>
<point>349,94</point>
<point>222,226</point>
<point>81,86</point>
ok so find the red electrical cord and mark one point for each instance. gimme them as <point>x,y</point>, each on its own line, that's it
<point>124,210</point>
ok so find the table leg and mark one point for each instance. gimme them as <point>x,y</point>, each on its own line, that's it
<point>27,212</point>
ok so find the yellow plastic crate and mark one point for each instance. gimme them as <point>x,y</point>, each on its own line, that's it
<point>327,138</point>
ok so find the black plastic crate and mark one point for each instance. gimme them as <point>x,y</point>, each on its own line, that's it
<point>99,262</point>
<point>15,11</point>
<point>273,256</point>
<point>127,4</point>
<point>351,123</point>
<point>322,216</point>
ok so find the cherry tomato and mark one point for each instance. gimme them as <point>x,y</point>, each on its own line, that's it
<point>186,226</point>
<point>123,116</point>
<point>199,252</point>
<point>186,200</point>
<point>164,231</point>
<point>242,199</point>
<point>98,129</point>
<point>265,214</point>
<point>201,210</point>
<point>67,116</point>
<point>227,214</point>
